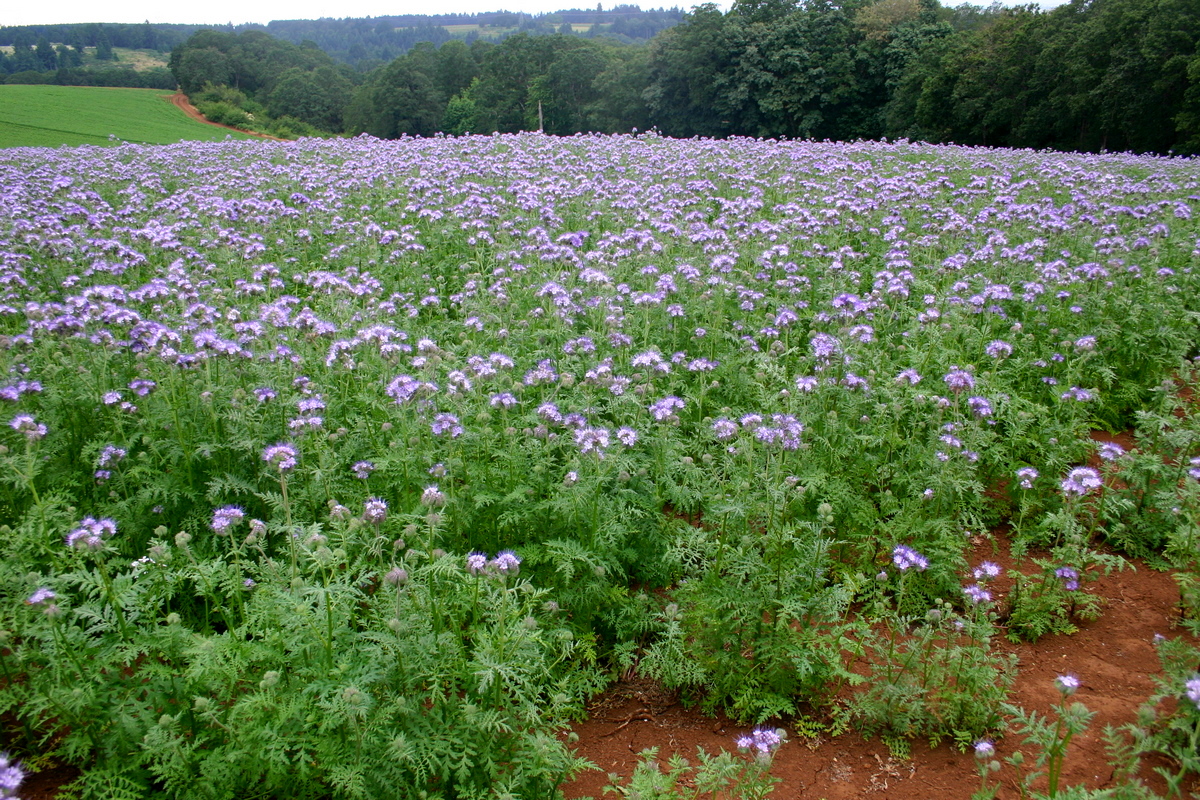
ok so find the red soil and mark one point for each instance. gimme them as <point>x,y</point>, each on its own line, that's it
<point>180,101</point>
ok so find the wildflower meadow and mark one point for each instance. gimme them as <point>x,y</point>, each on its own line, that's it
<point>353,469</point>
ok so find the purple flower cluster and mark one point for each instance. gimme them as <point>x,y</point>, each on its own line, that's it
<point>225,518</point>
<point>281,456</point>
<point>762,742</point>
<point>91,533</point>
<point>27,426</point>
<point>506,562</point>
<point>904,557</point>
<point>1080,481</point>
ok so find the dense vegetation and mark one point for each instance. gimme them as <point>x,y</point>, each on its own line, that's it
<point>1091,75</point>
<point>353,468</point>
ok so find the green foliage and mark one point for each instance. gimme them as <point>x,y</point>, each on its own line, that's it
<point>51,116</point>
<point>935,678</point>
<point>720,776</point>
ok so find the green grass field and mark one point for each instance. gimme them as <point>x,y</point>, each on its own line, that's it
<point>52,116</point>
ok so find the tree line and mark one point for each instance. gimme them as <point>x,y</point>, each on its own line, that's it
<point>1091,75</point>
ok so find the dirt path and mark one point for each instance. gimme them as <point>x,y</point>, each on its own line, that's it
<point>180,101</point>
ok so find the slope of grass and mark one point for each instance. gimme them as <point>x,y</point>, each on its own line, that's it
<point>52,116</point>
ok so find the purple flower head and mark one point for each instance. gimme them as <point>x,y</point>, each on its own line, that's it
<point>111,398</point>
<point>986,571</point>
<point>433,497</point>
<point>959,380</point>
<point>506,562</point>
<point>1192,690</point>
<point>984,749</point>
<point>627,436</point>
<point>1080,481</point>
<point>980,406</point>
<point>998,349</point>
<point>91,533</point>
<point>446,423</point>
<point>807,383</point>
<point>374,510</point>
<point>1027,475</point>
<point>665,408</point>
<point>503,400</point>
<point>910,376</point>
<point>590,440</point>
<point>42,595</point>
<point>1067,684</point>
<point>905,557</point>
<point>477,563</point>
<point>1110,451</point>
<point>397,576</point>
<point>263,394</point>
<point>977,594</point>
<point>225,518</point>
<point>363,469</point>
<point>26,425</point>
<point>282,456</point>
<point>824,347</point>
<point>1077,394</point>
<point>762,742</point>
<point>724,429</point>
<point>1069,577</point>
<point>11,776</point>
<point>142,387</point>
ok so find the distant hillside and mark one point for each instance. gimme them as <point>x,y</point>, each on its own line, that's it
<point>360,42</point>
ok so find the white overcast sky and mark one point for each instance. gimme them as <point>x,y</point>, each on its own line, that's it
<point>219,12</point>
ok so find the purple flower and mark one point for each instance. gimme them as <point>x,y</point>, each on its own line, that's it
<point>374,510</point>
<point>986,571</point>
<point>446,423</point>
<point>724,429</point>
<point>11,776</point>
<point>824,347</point>
<point>1069,577</point>
<point>506,562</point>
<point>503,400</point>
<point>225,518</point>
<point>959,380</point>
<point>1067,684</point>
<point>1110,451</point>
<point>91,533</point>
<point>980,406</point>
<point>905,557</point>
<point>25,424</point>
<point>263,394</point>
<point>477,563</point>
<point>910,376</point>
<point>282,456</point>
<point>1195,470</point>
<point>665,408</point>
<point>591,440</point>
<point>42,595</point>
<point>142,387</point>
<point>111,398</point>
<point>1027,476</point>
<point>1078,394</point>
<point>627,436</point>
<point>1192,690</point>
<point>806,383</point>
<point>762,742</point>
<point>984,749</point>
<point>433,497</point>
<point>363,469</point>
<point>1080,481</point>
<point>977,594</point>
<point>998,349</point>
